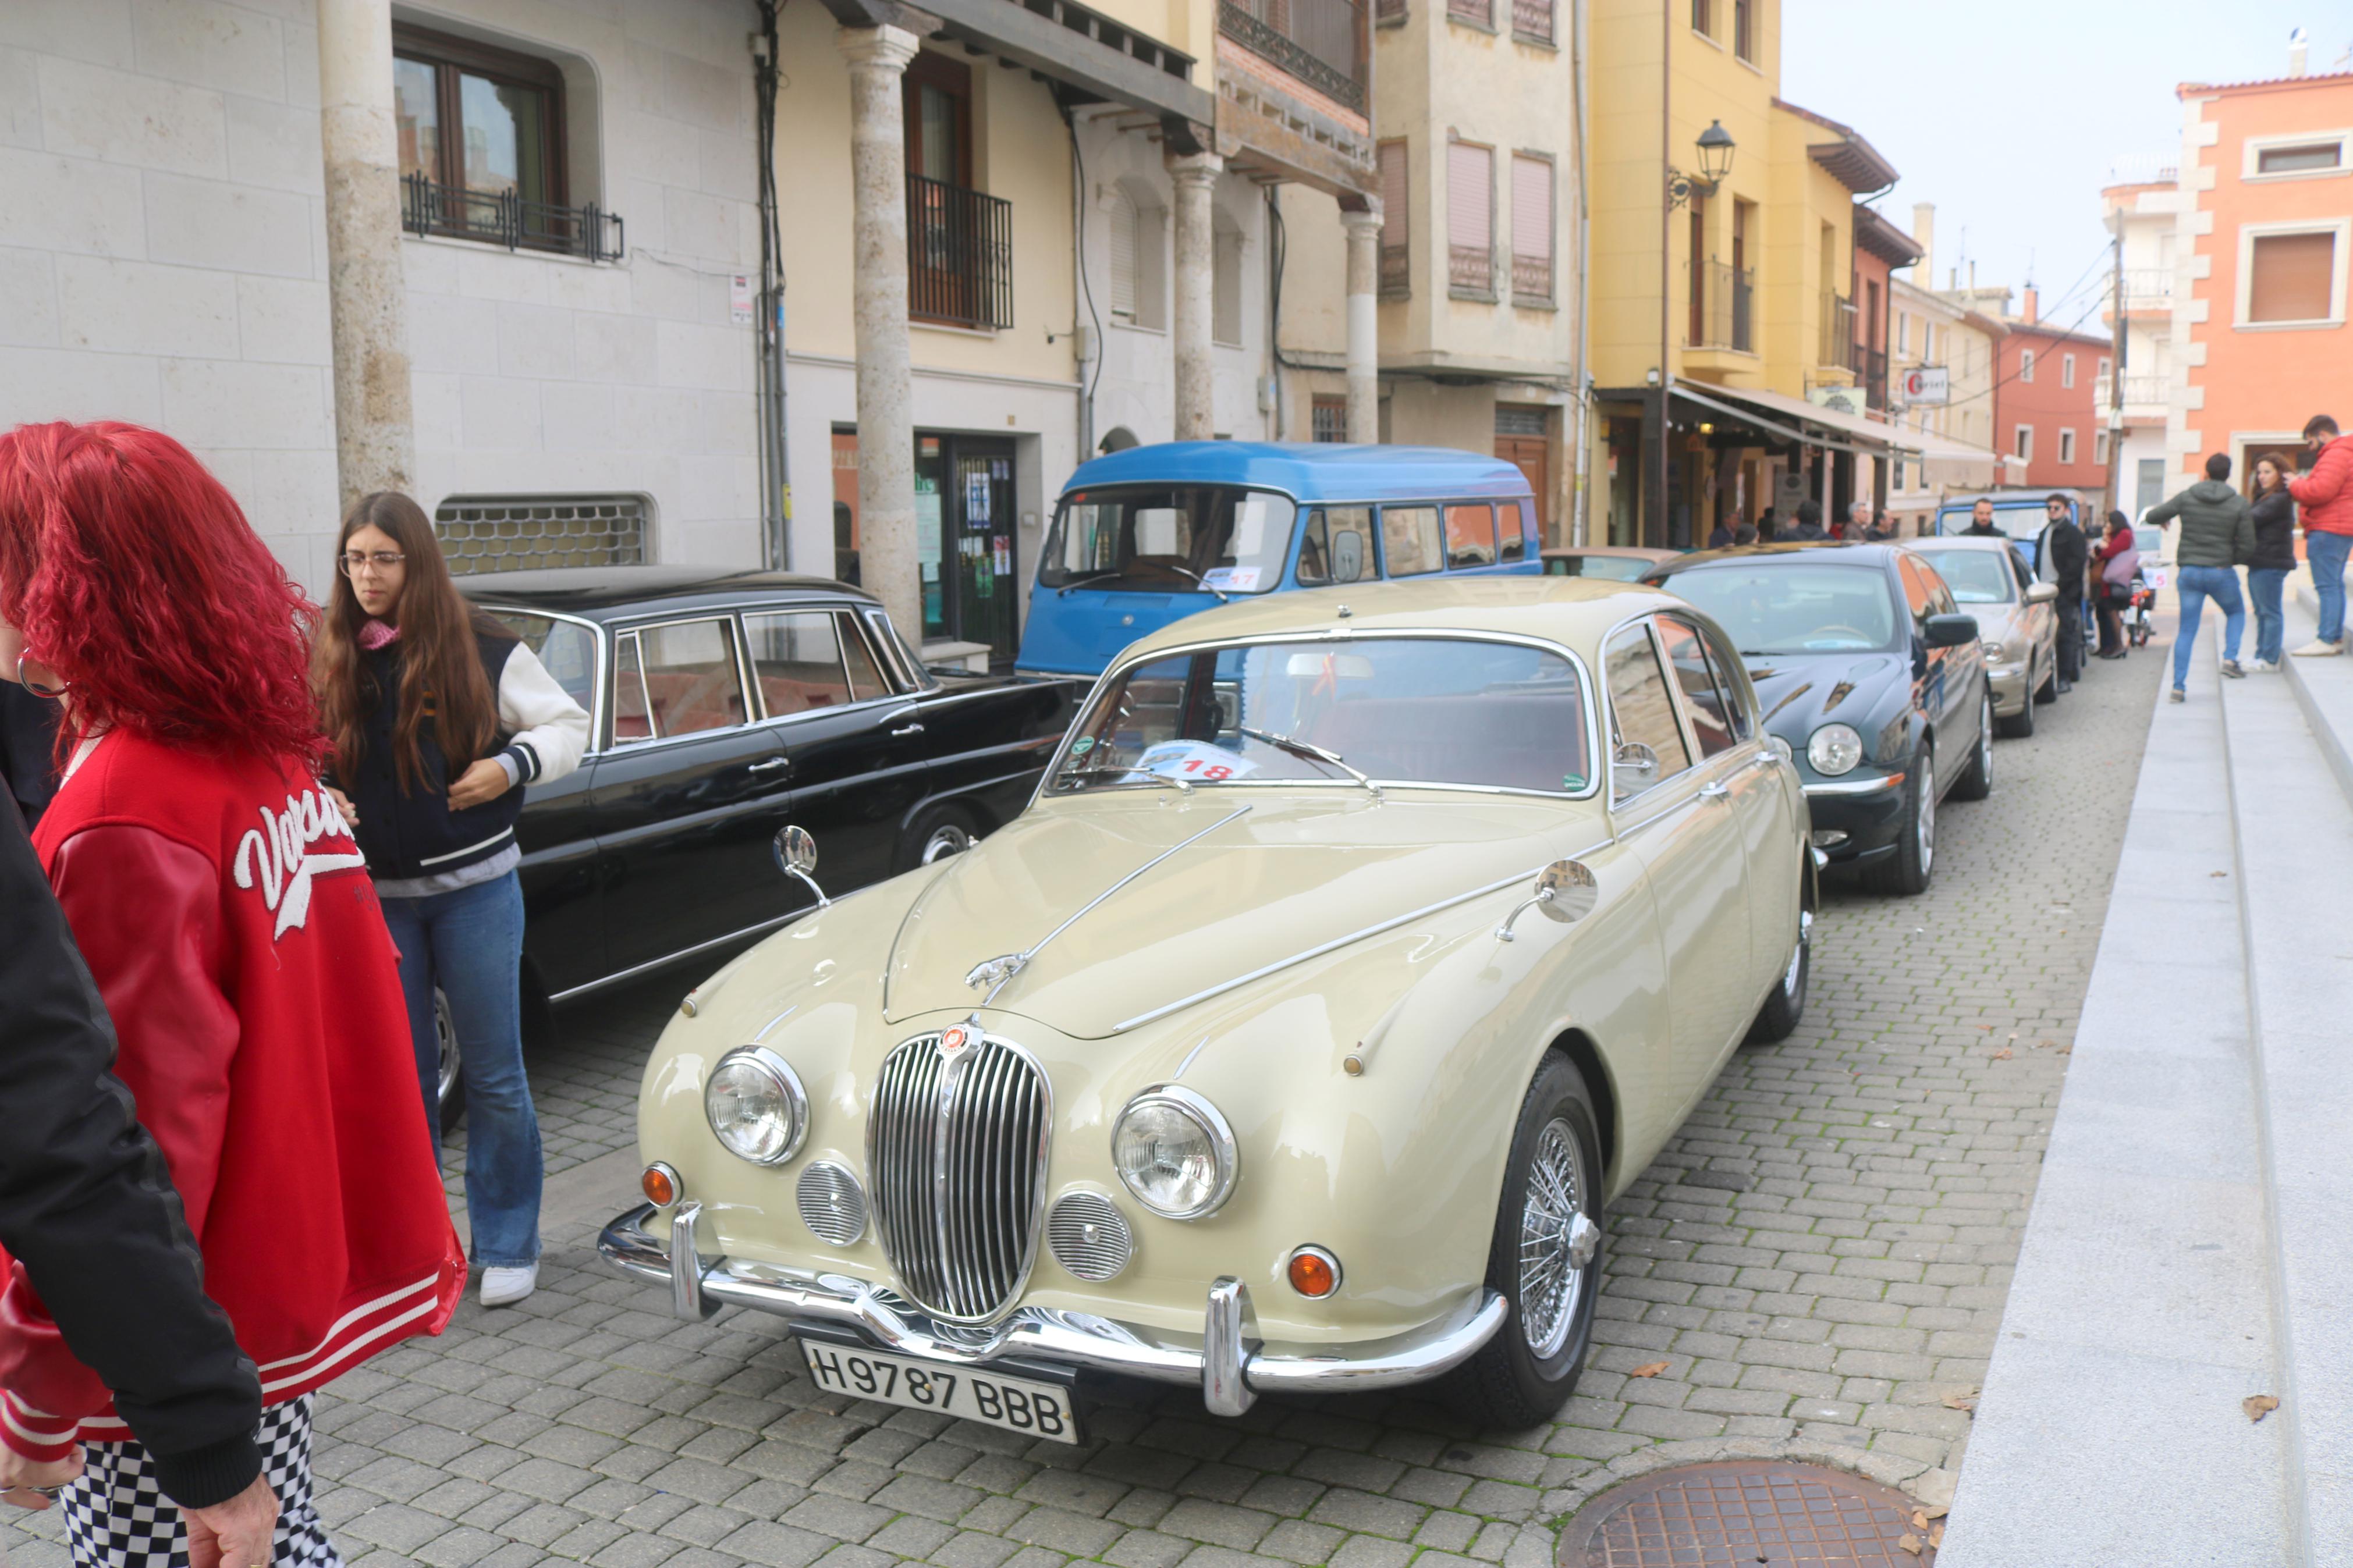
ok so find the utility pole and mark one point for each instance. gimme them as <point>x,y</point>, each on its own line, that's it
<point>2115,370</point>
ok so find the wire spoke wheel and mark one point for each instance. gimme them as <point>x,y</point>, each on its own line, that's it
<point>1557,1239</point>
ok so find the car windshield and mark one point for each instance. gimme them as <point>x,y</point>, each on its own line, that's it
<point>1403,711</point>
<point>2025,522</point>
<point>1169,539</point>
<point>1789,605</point>
<point>1616,568</point>
<point>1975,576</point>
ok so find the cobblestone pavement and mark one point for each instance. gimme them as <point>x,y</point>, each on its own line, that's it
<point>1818,1259</point>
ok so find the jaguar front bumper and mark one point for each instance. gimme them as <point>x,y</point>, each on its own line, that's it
<point>1228,1363</point>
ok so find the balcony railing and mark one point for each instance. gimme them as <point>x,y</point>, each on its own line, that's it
<point>2141,389</point>
<point>1726,308</point>
<point>1470,270</point>
<point>504,217</point>
<point>2149,288</point>
<point>1532,19</point>
<point>1396,272</point>
<point>1322,43</point>
<point>959,254</point>
<point>1837,331</point>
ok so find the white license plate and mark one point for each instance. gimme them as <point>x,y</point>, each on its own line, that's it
<point>1016,1403</point>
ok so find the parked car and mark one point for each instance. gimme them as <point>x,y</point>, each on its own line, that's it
<point>1359,946</point>
<point>1147,536</point>
<point>723,705</point>
<point>1872,676</point>
<point>1619,563</point>
<point>2018,622</point>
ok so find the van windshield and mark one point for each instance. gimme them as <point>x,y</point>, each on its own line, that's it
<point>1169,539</point>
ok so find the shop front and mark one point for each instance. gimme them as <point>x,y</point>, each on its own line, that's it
<point>968,541</point>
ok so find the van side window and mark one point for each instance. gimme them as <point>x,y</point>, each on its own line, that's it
<point>1411,542</point>
<point>1336,546</point>
<point>1469,534</point>
<point>1511,526</point>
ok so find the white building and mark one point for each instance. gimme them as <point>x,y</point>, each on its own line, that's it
<point>1937,332</point>
<point>2145,204</point>
<point>585,392</point>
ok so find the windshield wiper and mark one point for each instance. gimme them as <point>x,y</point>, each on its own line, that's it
<point>1071,778</point>
<point>1312,753</point>
<point>1195,576</point>
<point>1082,581</point>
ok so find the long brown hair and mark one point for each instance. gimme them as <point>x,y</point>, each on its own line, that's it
<point>441,667</point>
<point>2255,474</point>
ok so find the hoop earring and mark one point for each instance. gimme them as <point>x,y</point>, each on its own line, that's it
<point>51,692</point>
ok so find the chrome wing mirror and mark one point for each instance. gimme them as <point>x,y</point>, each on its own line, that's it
<point>1637,762</point>
<point>796,850</point>
<point>1566,892</point>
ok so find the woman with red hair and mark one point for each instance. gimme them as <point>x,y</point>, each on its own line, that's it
<point>225,913</point>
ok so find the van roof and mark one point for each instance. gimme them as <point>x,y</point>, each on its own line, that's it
<point>1310,471</point>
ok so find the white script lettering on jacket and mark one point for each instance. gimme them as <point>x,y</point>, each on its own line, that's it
<point>279,854</point>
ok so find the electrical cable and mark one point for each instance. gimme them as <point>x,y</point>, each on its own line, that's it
<point>1086,286</point>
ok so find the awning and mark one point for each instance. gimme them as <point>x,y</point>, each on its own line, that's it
<point>1777,412</point>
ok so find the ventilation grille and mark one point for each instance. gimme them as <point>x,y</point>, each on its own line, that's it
<point>833,1205</point>
<point>513,533</point>
<point>1088,1235</point>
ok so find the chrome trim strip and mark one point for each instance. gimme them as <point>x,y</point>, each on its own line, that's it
<point>1069,1339</point>
<point>1857,786</point>
<point>1341,942</point>
<point>684,952</point>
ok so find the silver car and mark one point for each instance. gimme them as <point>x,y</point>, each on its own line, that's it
<point>2018,619</point>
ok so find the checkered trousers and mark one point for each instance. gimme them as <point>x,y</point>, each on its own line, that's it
<point>115,1517</point>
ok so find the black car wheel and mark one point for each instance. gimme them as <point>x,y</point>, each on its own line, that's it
<point>2020,724</point>
<point>2049,691</point>
<point>1779,1017</point>
<point>1545,1259</point>
<point>937,833</point>
<point>1915,862</point>
<point>451,1085</point>
<point>1978,783</point>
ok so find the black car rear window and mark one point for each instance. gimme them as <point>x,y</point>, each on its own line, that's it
<point>1787,604</point>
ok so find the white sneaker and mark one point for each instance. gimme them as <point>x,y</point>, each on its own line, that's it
<point>2264,666</point>
<point>505,1287</point>
<point>2318,649</point>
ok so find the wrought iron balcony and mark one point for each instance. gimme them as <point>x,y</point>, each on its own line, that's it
<point>504,217</point>
<point>1723,307</point>
<point>959,254</point>
<point>1470,270</point>
<point>1321,43</point>
<point>1837,331</point>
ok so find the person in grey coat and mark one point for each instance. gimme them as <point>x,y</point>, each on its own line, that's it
<point>2218,533</point>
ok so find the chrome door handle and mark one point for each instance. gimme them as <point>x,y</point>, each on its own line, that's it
<point>771,766</point>
<point>906,729</point>
<point>1714,792</point>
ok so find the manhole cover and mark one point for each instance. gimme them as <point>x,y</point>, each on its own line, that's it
<point>1744,1513</point>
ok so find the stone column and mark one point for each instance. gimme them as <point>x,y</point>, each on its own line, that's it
<point>886,423</point>
<point>1194,174</point>
<point>367,298</point>
<point>1364,324</point>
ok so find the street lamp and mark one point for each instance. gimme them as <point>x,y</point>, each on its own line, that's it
<point>1714,165</point>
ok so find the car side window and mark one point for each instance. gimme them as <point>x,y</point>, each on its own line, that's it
<point>1640,710</point>
<point>678,680</point>
<point>1410,542</point>
<point>1703,700</point>
<point>803,661</point>
<point>1336,546</point>
<point>1471,534</point>
<point>2019,569</point>
<point>1739,701</point>
<point>906,674</point>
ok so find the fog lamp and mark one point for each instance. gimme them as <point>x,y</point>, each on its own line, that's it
<point>1828,839</point>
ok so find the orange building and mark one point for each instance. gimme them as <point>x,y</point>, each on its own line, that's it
<point>2266,224</point>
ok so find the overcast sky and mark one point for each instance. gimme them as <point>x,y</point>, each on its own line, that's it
<point>2008,113</point>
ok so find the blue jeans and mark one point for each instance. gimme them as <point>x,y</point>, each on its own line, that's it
<point>469,944</point>
<point>2327,553</point>
<point>2265,586</point>
<point>2196,585</point>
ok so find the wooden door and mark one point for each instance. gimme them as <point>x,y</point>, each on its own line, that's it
<point>1532,455</point>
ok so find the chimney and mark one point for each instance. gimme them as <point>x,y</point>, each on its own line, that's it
<point>2299,46</point>
<point>1924,232</point>
<point>2030,307</point>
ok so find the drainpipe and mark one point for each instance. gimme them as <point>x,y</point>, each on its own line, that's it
<point>1665,392</point>
<point>1581,523</point>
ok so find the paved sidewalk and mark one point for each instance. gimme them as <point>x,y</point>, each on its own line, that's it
<point>1820,1258</point>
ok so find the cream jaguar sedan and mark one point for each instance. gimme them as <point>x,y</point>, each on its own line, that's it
<point>1357,947</point>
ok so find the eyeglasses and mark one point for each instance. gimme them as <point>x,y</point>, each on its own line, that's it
<point>357,562</point>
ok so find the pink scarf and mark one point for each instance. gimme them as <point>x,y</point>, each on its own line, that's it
<point>376,635</point>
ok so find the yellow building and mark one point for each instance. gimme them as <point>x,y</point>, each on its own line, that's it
<point>1725,279</point>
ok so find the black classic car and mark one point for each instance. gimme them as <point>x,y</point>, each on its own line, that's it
<point>1873,677</point>
<point>722,706</point>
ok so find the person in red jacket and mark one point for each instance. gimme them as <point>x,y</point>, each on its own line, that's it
<point>225,913</point>
<point>2324,497</point>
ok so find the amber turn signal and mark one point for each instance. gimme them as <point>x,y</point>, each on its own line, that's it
<point>660,1185</point>
<point>1314,1273</point>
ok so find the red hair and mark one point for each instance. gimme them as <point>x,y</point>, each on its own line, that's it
<point>133,574</point>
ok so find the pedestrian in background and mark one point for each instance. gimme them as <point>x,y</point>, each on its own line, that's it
<point>2273,510</point>
<point>2218,533</point>
<point>1809,528</point>
<point>2065,554</point>
<point>1721,538</point>
<point>1766,529</point>
<point>1745,534</point>
<point>2325,494</point>
<point>1857,521</point>
<point>226,916</point>
<point>1882,528</point>
<point>2114,564</point>
<point>437,717</point>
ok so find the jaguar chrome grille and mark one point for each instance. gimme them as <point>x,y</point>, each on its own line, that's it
<point>957,1143</point>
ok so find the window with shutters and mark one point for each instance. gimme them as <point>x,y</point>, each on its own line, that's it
<point>2291,278</point>
<point>1471,220</point>
<point>1531,228</point>
<point>1703,17</point>
<point>1139,279</point>
<point>1397,268</point>
<point>1226,282</point>
<point>1744,29</point>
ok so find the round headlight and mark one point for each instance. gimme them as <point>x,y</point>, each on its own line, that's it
<point>1834,750</point>
<point>1175,1153</point>
<point>755,1106</point>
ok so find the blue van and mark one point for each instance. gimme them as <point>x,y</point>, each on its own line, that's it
<point>1152,534</point>
<point>2020,514</point>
